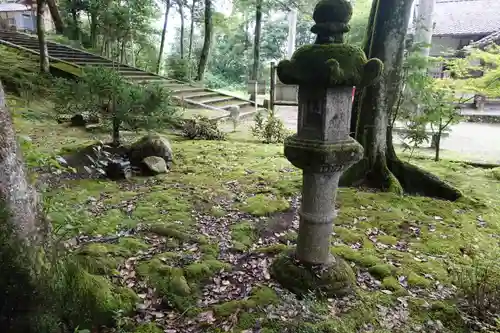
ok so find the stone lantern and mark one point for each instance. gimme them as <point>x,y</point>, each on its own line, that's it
<point>325,73</point>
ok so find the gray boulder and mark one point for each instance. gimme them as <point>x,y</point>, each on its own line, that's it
<point>155,165</point>
<point>151,145</point>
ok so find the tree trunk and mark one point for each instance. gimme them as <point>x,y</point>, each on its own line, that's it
<point>247,40</point>
<point>93,30</point>
<point>256,43</point>
<point>18,198</point>
<point>380,167</point>
<point>76,27</point>
<point>163,36</point>
<point>56,16</point>
<point>424,26</point>
<point>123,56</point>
<point>40,30</point>
<point>437,145</point>
<point>191,30</point>
<point>181,13</point>
<point>116,126</point>
<point>23,232</point>
<point>207,41</point>
<point>358,94</point>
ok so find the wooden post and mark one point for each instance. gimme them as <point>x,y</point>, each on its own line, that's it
<point>272,85</point>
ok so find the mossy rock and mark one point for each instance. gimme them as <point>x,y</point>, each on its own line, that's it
<point>336,279</point>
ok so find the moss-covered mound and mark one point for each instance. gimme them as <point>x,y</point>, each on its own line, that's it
<point>336,279</point>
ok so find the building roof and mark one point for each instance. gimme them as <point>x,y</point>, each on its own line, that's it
<point>486,41</point>
<point>13,7</point>
<point>466,17</point>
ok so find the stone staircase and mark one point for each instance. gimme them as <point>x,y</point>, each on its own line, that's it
<point>188,94</point>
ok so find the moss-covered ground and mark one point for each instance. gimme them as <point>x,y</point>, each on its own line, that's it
<point>192,247</point>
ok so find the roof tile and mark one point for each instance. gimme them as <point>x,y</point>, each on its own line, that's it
<point>466,17</point>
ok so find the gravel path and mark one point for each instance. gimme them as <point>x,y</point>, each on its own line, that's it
<point>473,141</point>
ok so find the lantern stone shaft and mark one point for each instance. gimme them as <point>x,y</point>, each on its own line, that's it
<point>325,73</point>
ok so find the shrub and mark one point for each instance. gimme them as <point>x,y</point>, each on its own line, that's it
<point>20,75</point>
<point>178,68</point>
<point>104,94</point>
<point>479,292</point>
<point>270,129</point>
<point>496,173</point>
<point>201,127</point>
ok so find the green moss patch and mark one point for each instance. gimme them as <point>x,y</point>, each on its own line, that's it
<point>243,235</point>
<point>262,205</point>
<point>261,297</point>
<point>179,287</point>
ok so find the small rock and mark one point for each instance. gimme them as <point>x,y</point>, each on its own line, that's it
<point>151,145</point>
<point>155,164</point>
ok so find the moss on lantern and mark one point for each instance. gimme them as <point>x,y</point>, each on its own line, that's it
<point>330,62</point>
<point>329,65</point>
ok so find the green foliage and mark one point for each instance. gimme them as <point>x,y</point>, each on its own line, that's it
<point>178,68</point>
<point>203,128</point>
<point>105,94</point>
<point>426,101</point>
<point>478,286</point>
<point>270,129</point>
<point>19,74</point>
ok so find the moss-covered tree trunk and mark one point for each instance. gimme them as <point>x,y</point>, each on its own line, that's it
<point>22,232</point>
<point>380,167</point>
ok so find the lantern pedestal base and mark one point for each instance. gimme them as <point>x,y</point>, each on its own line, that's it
<point>334,279</point>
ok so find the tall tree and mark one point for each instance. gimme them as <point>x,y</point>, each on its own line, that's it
<point>42,44</point>
<point>163,36</point>
<point>180,8</point>
<point>191,29</point>
<point>56,16</point>
<point>424,25</point>
<point>256,42</point>
<point>381,167</point>
<point>207,40</point>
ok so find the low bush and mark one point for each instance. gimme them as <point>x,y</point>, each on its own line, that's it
<point>478,293</point>
<point>203,128</point>
<point>270,129</point>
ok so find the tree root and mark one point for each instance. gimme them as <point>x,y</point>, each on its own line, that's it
<point>415,180</point>
<point>399,177</point>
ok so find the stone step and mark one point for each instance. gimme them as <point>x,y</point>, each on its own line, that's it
<point>211,99</point>
<point>85,61</point>
<point>144,78</point>
<point>74,55</point>
<point>182,88</point>
<point>132,72</point>
<point>234,101</point>
<point>196,95</point>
